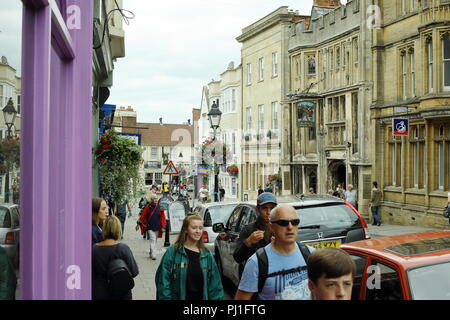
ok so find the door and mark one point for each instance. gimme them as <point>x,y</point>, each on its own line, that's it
<point>56,156</point>
<point>385,282</point>
<point>359,279</point>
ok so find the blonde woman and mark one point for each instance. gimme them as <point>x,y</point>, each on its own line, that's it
<point>106,251</point>
<point>187,270</point>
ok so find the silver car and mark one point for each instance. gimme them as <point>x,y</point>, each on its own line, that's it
<point>10,230</point>
<point>215,212</point>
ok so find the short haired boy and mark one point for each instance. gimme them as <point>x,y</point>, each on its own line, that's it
<point>330,273</point>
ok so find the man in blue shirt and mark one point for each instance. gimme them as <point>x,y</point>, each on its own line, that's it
<point>283,253</point>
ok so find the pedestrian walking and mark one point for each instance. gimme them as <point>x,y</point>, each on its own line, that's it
<point>105,252</point>
<point>283,275</point>
<point>260,190</point>
<point>221,193</point>
<point>268,188</point>
<point>153,220</point>
<point>311,191</point>
<point>330,274</point>
<point>257,234</point>
<point>99,214</point>
<point>375,201</point>
<point>203,194</point>
<point>351,195</point>
<point>8,279</point>
<point>187,270</point>
<point>446,211</point>
<point>121,211</point>
<point>340,192</point>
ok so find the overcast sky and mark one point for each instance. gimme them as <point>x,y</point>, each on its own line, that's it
<point>173,48</point>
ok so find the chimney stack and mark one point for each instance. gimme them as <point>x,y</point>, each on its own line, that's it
<point>160,121</point>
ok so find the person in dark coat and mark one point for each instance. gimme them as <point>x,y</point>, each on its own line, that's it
<point>106,251</point>
<point>99,213</point>
<point>257,234</point>
<point>8,279</point>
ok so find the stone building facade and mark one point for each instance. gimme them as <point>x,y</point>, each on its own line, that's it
<point>412,81</point>
<point>265,79</point>
<point>327,109</point>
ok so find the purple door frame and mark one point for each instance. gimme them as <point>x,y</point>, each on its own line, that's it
<point>56,150</point>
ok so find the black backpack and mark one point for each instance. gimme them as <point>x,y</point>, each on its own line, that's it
<point>120,280</point>
<point>263,265</point>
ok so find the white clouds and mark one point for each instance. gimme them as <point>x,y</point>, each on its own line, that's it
<point>176,47</point>
<point>173,48</point>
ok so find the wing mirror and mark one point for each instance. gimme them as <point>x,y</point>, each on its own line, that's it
<point>218,227</point>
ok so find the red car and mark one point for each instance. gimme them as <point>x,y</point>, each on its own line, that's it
<point>403,267</point>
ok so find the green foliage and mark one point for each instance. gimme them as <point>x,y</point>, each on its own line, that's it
<point>9,154</point>
<point>119,160</point>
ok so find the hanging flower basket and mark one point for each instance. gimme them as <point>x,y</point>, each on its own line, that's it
<point>214,151</point>
<point>232,170</point>
<point>119,160</point>
<point>9,154</point>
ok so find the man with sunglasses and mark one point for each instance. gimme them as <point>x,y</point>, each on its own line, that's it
<point>287,276</point>
<point>257,234</point>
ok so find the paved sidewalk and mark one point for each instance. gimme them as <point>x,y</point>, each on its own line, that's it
<point>390,229</point>
<point>145,282</point>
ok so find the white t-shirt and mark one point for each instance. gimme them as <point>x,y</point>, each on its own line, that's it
<point>203,193</point>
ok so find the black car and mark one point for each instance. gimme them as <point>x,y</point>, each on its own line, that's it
<point>325,221</point>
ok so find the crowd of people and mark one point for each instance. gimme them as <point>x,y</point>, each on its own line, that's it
<point>272,265</point>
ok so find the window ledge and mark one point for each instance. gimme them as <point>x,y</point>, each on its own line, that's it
<point>439,193</point>
<point>393,189</point>
<point>415,191</point>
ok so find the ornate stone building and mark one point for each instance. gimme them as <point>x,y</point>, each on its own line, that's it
<point>412,80</point>
<point>327,108</point>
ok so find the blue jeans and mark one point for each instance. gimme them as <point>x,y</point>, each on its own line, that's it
<point>376,217</point>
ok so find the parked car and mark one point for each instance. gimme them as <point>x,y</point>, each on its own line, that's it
<point>325,221</point>
<point>409,266</point>
<point>215,212</point>
<point>10,231</point>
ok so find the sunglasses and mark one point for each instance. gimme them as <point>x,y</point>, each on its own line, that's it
<point>285,223</point>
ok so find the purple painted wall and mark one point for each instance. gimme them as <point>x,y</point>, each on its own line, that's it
<point>56,154</point>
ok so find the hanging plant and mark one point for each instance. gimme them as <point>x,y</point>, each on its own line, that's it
<point>209,148</point>
<point>232,170</point>
<point>119,160</point>
<point>9,154</point>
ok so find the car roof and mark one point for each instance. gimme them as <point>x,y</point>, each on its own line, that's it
<point>216,204</point>
<point>303,200</point>
<point>409,250</point>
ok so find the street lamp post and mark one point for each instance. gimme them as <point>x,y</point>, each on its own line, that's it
<point>215,115</point>
<point>9,113</point>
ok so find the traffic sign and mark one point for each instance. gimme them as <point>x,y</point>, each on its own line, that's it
<point>170,169</point>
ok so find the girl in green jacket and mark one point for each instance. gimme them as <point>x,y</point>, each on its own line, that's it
<point>187,270</point>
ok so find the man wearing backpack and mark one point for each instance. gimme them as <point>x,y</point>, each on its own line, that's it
<point>257,234</point>
<point>278,271</point>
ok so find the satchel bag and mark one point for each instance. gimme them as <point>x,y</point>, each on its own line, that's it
<point>120,280</point>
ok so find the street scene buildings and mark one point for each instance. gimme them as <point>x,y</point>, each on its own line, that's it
<point>351,94</point>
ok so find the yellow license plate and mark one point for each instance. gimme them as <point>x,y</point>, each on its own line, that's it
<point>325,244</point>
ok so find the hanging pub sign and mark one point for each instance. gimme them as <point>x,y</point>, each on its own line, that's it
<point>400,127</point>
<point>306,114</point>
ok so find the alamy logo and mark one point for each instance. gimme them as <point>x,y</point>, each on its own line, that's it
<point>373,17</point>
<point>373,281</point>
<point>74,277</point>
<point>73,17</point>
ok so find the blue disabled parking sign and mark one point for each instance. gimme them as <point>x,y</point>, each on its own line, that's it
<point>400,127</point>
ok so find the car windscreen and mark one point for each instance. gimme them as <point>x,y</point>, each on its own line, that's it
<point>430,282</point>
<point>218,214</point>
<point>5,218</point>
<point>334,215</point>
